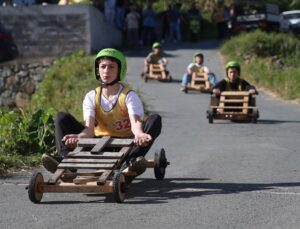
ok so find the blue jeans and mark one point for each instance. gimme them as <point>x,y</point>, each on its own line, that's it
<point>212,79</point>
<point>186,79</point>
<point>175,31</point>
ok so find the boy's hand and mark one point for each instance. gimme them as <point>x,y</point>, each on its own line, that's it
<point>70,140</point>
<point>142,139</point>
<point>216,91</point>
<point>252,91</point>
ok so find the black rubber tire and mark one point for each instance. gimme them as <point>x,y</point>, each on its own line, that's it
<point>160,164</point>
<point>254,115</point>
<point>210,116</point>
<point>119,186</point>
<point>170,79</point>
<point>33,193</point>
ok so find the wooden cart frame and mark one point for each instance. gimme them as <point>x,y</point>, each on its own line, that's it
<point>233,105</point>
<point>97,162</point>
<point>157,72</point>
<point>199,82</point>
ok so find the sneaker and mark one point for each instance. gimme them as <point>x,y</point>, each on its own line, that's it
<point>68,177</point>
<point>49,163</point>
<point>138,166</point>
<point>183,89</point>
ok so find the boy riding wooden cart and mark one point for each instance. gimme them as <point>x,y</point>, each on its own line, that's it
<point>112,143</point>
<point>198,77</point>
<point>233,98</point>
<point>155,65</point>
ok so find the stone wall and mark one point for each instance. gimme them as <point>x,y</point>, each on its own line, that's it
<point>55,30</point>
<point>48,31</point>
<point>19,81</point>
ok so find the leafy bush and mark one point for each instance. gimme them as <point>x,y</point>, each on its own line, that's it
<point>65,85</point>
<point>284,82</point>
<point>262,44</point>
<point>24,136</point>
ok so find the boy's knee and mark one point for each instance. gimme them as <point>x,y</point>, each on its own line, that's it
<point>61,117</point>
<point>156,118</point>
<point>155,121</point>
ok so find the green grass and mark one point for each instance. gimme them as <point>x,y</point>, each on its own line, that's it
<point>24,137</point>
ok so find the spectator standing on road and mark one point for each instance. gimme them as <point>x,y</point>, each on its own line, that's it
<point>149,23</point>
<point>165,33</point>
<point>174,19</point>
<point>132,26</point>
<point>220,16</point>
<point>120,14</point>
<point>109,11</point>
<point>194,19</point>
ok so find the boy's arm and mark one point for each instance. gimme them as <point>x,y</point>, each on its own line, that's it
<point>70,140</point>
<point>165,61</point>
<point>147,60</point>
<point>249,87</point>
<point>190,68</point>
<point>219,87</point>
<point>140,138</point>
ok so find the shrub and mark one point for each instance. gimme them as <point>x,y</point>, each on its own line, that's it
<point>24,136</point>
<point>262,44</point>
<point>65,85</point>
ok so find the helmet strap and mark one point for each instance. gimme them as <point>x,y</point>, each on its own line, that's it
<point>105,85</point>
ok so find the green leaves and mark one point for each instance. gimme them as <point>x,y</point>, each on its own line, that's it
<point>23,135</point>
<point>65,85</point>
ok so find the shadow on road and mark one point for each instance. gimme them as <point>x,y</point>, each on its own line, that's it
<point>274,121</point>
<point>151,191</point>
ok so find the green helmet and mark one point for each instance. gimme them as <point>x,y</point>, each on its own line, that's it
<point>156,45</point>
<point>115,54</point>
<point>198,54</point>
<point>233,64</point>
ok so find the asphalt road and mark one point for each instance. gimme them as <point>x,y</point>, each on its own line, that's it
<point>222,175</point>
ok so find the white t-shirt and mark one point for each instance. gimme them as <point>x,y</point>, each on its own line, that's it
<point>192,65</point>
<point>132,20</point>
<point>133,103</point>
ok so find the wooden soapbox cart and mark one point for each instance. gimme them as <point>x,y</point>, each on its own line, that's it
<point>97,162</point>
<point>157,72</point>
<point>233,105</point>
<point>199,82</point>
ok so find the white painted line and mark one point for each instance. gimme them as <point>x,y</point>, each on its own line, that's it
<point>280,193</point>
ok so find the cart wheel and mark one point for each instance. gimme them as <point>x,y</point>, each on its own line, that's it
<point>254,115</point>
<point>35,195</point>
<point>160,164</point>
<point>119,187</point>
<point>145,78</point>
<point>210,115</point>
